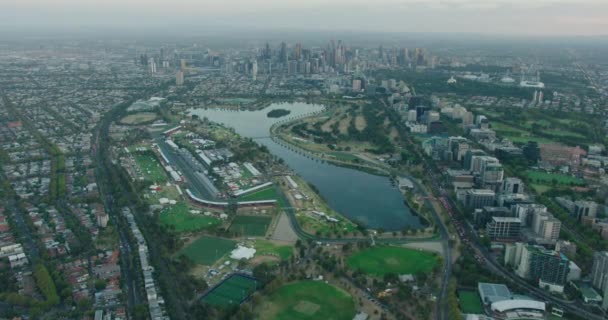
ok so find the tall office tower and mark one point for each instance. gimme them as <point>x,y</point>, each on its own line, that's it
<point>267,53</point>
<point>356,85</point>
<point>297,54</point>
<point>419,56</point>
<point>512,185</point>
<point>182,64</point>
<point>283,53</point>
<point>152,65</point>
<point>162,54</point>
<point>540,97</point>
<point>403,59</point>
<point>546,226</point>
<point>545,267</point>
<point>492,175</point>
<point>599,271</point>
<point>254,70</point>
<point>381,53</point>
<point>292,67</point>
<point>583,208</point>
<point>179,78</point>
<point>535,97</point>
<point>314,68</point>
<point>341,50</point>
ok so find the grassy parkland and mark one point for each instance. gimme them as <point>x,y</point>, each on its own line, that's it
<point>541,177</point>
<point>179,218</point>
<point>308,300</point>
<point>270,193</point>
<point>263,247</point>
<point>151,169</point>
<point>208,250</point>
<point>251,226</point>
<point>381,260</point>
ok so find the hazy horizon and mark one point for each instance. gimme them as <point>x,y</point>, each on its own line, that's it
<point>490,17</point>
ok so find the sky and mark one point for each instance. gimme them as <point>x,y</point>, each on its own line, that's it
<point>503,17</point>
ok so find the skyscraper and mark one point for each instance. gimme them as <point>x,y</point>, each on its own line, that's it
<point>179,78</point>
<point>267,53</point>
<point>283,53</point>
<point>546,267</point>
<point>152,65</point>
<point>297,54</point>
<point>254,70</point>
<point>599,271</point>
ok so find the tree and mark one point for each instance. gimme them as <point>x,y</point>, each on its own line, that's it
<point>100,284</point>
<point>264,273</point>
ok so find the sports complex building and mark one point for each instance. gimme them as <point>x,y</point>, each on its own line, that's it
<point>500,303</point>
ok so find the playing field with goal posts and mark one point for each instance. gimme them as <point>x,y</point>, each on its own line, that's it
<point>232,291</point>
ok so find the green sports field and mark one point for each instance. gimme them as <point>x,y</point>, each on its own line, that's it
<point>150,167</point>
<point>541,177</point>
<point>180,218</point>
<point>207,250</point>
<point>264,247</point>
<point>231,292</point>
<point>308,300</point>
<point>469,302</point>
<point>381,260</point>
<point>270,193</point>
<point>250,225</point>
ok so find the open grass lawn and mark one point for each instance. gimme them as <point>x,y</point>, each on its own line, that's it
<point>231,291</point>
<point>264,247</point>
<point>207,250</point>
<point>179,217</point>
<point>342,156</point>
<point>517,135</point>
<point>138,118</point>
<point>270,193</point>
<point>381,260</point>
<point>565,133</point>
<point>150,167</point>
<point>264,194</point>
<point>308,300</point>
<point>316,225</point>
<point>540,188</point>
<point>254,226</point>
<point>542,177</point>
<point>469,302</point>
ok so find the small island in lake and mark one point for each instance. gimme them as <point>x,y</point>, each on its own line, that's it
<point>277,113</point>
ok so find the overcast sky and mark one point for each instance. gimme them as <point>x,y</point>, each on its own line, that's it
<point>507,17</point>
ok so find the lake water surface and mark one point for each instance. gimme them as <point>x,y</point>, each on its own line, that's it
<point>367,198</point>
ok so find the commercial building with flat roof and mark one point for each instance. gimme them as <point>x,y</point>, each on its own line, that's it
<point>504,228</point>
<point>479,198</point>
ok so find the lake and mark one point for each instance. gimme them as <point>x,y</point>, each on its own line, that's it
<point>357,195</point>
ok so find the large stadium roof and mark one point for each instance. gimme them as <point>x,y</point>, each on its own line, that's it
<point>492,292</point>
<point>515,304</point>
